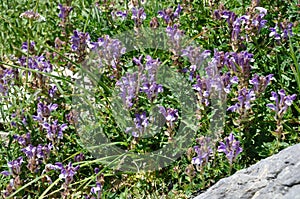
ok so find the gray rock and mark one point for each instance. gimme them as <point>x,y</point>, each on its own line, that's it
<point>276,177</point>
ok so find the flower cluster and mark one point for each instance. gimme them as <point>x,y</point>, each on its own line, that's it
<point>244,98</point>
<point>132,84</point>
<point>231,148</point>
<point>54,131</point>
<point>260,83</point>
<point>120,14</point>
<point>36,62</point>
<point>7,78</point>
<point>203,150</point>
<point>282,102</point>
<point>170,114</point>
<point>149,85</point>
<point>23,140</point>
<point>285,29</point>
<point>30,14</point>
<point>196,57</point>
<point>35,155</point>
<point>67,173</point>
<point>175,38</point>
<point>80,41</point>
<point>44,111</point>
<point>251,24</point>
<point>168,15</point>
<point>141,122</point>
<point>64,12</point>
<point>238,63</point>
<point>14,167</point>
<point>128,85</point>
<point>228,81</point>
<point>15,170</point>
<point>138,15</point>
<point>109,51</point>
<point>214,83</point>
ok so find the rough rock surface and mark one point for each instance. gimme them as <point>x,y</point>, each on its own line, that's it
<point>276,177</point>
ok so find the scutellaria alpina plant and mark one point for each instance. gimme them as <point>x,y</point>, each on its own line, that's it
<point>243,53</point>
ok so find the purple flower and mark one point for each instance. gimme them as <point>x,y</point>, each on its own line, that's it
<point>67,172</point>
<point>201,87</point>
<point>175,38</point>
<point>128,86</point>
<point>54,130</point>
<point>177,11</point>
<point>280,106</point>
<point>43,151</point>
<point>7,78</point>
<point>52,91</point>
<point>244,98</point>
<point>97,189</point>
<point>80,157</point>
<point>14,166</point>
<point>170,114</point>
<point>196,57</point>
<point>203,151</point>
<point>64,11</point>
<point>35,153</point>
<point>30,151</point>
<point>168,15</point>
<point>286,30</point>
<point>149,85</point>
<point>121,14</point>
<point>260,83</point>
<point>229,16</point>
<point>38,63</point>
<point>25,46</point>
<point>141,122</point>
<point>138,15</point>
<point>80,41</point>
<point>109,50</point>
<point>44,111</point>
<point>231,148</point>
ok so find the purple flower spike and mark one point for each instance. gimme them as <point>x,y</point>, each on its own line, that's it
<point>44,111</point>
<point>203,151</point>
<point>280,106</point>
<point>25,46</point>
<point>15,166</point>
<point>52,91</point>
<point>168,15</point>
<point>64,11</point>
<point>121,15</point>
<point>231,148</point>
<point>260,83</point>
<point>97,189</point>
<point>138,15</point>
<point>54,131</point>
<point>128,85</point>
<point>80,41</point>
<point>66,172</point>
<point>244,98</point>
<point>141,122</point>
<point>170,114</point>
